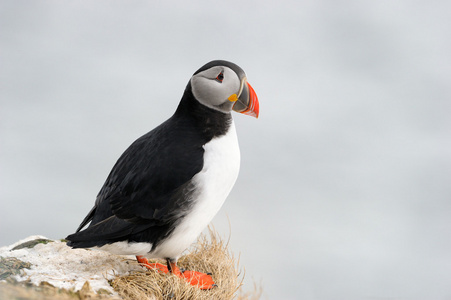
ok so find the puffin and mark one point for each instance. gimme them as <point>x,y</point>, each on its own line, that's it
<point>169,184</point>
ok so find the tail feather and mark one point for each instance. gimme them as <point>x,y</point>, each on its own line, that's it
<point>108,231</point>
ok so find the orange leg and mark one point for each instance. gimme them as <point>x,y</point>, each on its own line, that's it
<point>201,280</point>
<point>155,266</point>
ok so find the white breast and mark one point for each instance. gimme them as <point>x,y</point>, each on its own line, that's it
<point>213,184</point>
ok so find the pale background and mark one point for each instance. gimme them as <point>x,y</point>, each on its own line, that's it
<point>344,190</point>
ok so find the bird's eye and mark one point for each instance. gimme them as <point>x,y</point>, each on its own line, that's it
<point>220,77</point>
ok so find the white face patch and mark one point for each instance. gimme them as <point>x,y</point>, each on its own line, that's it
<point>209,91</point>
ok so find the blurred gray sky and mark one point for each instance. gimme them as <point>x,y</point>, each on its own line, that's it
<point>344,190</point>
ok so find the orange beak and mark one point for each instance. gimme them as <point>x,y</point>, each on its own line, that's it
<point>247,102</point>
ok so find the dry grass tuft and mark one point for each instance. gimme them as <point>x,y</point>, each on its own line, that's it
<point>209,254</point>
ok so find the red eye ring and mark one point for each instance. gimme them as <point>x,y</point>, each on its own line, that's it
<point>220,77</point>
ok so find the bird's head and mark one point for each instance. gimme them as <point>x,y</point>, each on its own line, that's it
<point>223,86</point>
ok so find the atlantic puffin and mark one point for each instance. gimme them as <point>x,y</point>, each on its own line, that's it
<point>170,183</point>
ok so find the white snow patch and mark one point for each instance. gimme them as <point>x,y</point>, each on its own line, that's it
<point>30,238</point>
<point>69,268</point>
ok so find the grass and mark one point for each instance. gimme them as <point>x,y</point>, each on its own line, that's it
<point>209,254</point>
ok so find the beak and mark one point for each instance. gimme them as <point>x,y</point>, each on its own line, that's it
<point>247,102</point>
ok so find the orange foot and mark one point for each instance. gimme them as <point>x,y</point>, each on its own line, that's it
<point>201,280</point>
<point>155,266</point>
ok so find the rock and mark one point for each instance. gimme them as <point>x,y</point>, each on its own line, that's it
<point>11,289</point>
<point>39,268</point>
<point>31,244</point>
<point>11,266</point>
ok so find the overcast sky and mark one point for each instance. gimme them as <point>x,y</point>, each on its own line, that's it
<point>344,189</point>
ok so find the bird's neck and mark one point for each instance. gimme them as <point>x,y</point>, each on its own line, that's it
<point>211,122</point>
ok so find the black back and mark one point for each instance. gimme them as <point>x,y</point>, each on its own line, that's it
<point>149,189</point>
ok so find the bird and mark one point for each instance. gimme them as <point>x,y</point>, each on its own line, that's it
<point>169,184</point>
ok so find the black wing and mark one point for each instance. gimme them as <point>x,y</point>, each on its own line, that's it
<point>148,186</point>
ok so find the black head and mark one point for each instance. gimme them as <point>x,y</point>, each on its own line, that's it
<point>223,86</point>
